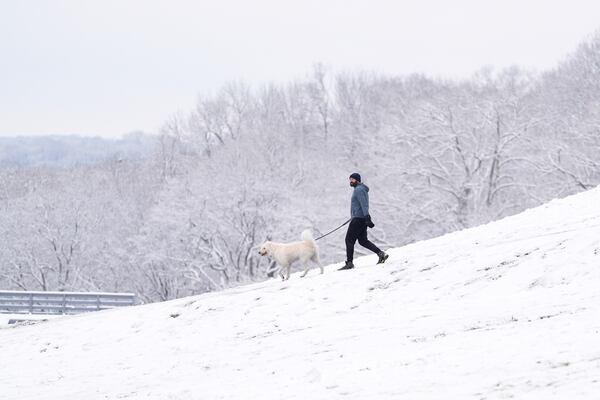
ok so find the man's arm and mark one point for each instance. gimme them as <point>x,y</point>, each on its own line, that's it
<point>363,199</point>
<point>364,204</point>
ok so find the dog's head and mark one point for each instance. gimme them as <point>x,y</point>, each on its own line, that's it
<point>264,249</point>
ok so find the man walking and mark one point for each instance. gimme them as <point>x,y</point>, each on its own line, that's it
<point>360,219</point>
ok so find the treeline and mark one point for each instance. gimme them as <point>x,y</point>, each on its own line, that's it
<point>255,163</point>
<point>71,150</point>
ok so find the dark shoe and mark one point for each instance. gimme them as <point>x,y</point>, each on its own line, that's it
<point>348,265</point>
<point>382,257</point>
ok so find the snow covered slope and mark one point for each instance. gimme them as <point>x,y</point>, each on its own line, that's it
<point>508,309</point>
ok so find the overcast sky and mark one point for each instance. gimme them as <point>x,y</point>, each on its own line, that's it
<point>109,67</point>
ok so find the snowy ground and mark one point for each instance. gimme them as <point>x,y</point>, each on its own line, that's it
<point>23,318</point>
<point>509,309</point>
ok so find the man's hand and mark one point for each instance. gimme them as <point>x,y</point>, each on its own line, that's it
<point>370,223</point>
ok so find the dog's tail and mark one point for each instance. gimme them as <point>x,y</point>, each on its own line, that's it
<point>307,236</point>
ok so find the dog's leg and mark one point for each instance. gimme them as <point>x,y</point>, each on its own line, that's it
<point>281,272</point>
<point>289,270</point>
<point>305,263</point>
<point>285,268</point>
<point>317,261</point>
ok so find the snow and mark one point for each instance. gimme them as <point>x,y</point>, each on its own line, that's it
<point>508,309</point>
<point>24,318</point>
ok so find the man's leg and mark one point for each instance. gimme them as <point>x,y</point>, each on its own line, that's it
<point>351,236</point>
<point>365,242</point>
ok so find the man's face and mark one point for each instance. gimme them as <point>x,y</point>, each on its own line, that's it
<point>353,182</point>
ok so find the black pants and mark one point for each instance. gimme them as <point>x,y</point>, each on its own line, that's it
<point>358,230</point>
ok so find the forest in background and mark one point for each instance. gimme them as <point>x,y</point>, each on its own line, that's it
<point>69,151</point>
<point>256,163</point>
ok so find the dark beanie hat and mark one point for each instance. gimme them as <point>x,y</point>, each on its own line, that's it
<point>356,176</point>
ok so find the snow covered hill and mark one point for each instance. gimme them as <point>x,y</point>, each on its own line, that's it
<point>509,309</point>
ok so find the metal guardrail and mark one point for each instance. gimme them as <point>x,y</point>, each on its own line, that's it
<point>20,302</point>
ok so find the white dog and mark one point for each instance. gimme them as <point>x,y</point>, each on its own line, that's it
<point>286,253</point>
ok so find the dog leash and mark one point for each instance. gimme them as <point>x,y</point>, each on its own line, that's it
<point>329,233</point>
